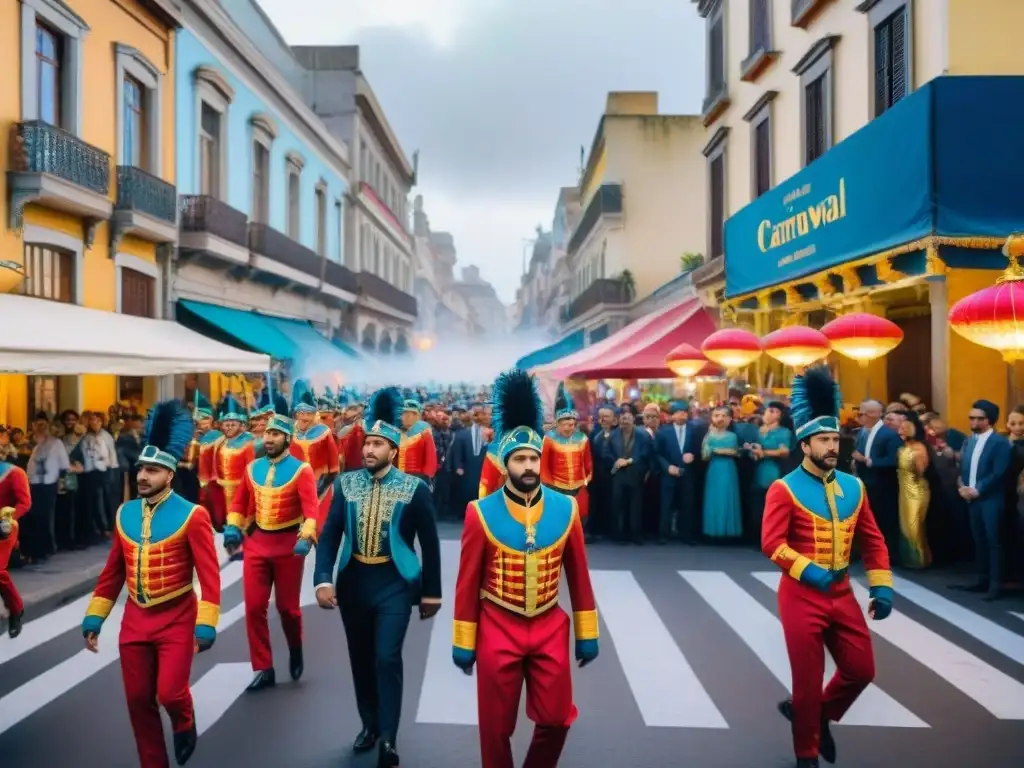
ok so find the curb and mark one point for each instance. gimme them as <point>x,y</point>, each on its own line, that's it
<point>51,602</point>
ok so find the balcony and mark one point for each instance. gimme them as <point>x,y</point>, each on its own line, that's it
<point>803,12</point>
<point>607,201</point>
<point>600,292</point>
<point>376,291</point>
<point>715,103</point>
<point>340,283</point>
<point>281,260</point>
<point>146,207</point>
<point>51,167</point>
<point>212,230</point>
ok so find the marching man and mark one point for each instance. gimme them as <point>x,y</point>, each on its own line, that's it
<point>566,464</point>
<point>161,542</point>
<point>507,619</point>
<point>810,519</point>
<point>315,444</point>
<point>15,501</point>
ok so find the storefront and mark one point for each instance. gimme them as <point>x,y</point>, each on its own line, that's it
<point>902,219</point>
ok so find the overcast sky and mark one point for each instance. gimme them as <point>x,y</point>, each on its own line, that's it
<point>498,96</point>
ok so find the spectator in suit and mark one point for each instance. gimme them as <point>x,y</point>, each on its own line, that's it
<point>677,448</point>
<point>983,467</point>
<point>630,450</point>
<point>443,480</point>
<point>468,451</point>
<point>874,460</point>
<point>600,521</point>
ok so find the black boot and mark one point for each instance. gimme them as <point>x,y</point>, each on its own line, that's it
<point>978,586</point>
<point>807,762</point>
<point>295,666</point>
<point>365,741</point>
<point>388,757</point>
<point>185,744</point>
<point>826,742</point>
<point>14,624</point>
<point>265,678</point>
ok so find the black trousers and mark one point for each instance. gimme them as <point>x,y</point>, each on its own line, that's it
<point>883,496</point>
<point>38,532</point>
<point>375,609</point>
<point>678,516</point>
<point>600,521</point>
<point>64,520</point>
<point>443,494</point>
<point>627,504</point>
<point>94,496</point>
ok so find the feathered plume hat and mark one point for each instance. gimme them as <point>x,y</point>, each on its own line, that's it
<point>412,405</point>
<point>563,404</point>
<point>518,413</point>
<point>167,435</point>
<point>326,403</point>
<point>384,414</point>
<point>201,407</point>
<point>231,409</point>
<point>302,397</point>
<point>815,403</point>
<point>279,421</point>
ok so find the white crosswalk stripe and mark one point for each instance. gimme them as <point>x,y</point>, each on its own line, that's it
<point>641,655</point>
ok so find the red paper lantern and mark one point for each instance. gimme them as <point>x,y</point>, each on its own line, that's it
<point>732,348</point>
<point>863,337</point>
<point>994,317</point>
<point>686,361</point>
<point>797,345</point>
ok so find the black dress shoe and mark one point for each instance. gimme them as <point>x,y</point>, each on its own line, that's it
<point>14,624</point>
<point>265,678</point>
<point>826,742</point>
<point>388,756</point>
<point>992,596</point>
<point>807,762</point>
<point>185,744</point>
<point>295,666</point>
<point>365,741</point>
<point>978,586</point>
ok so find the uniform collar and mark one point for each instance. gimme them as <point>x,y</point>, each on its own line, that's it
<point>817,474</point>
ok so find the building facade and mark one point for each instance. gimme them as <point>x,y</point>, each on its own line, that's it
<point>262,183</point>
<point>491,314</point>
<point>638,212</point>
<point>379,243</point>
<point>826,101</point>
<point>534,285</point>
<point>89,208</point>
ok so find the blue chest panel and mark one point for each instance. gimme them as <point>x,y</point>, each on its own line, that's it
<point>575,438</point>
<point>552,525</point>
<point>211,437</point>
<point>4,469</point>
<point>170,516</point>
<point>810,493</point>
<point>317,430</point>
<point>239,441</point>
<point>285,470</point>
<point>418,428</point>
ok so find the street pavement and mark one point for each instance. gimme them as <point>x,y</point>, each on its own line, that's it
<point>692,664</point>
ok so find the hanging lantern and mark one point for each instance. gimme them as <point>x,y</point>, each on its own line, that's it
<point>11,275</point>
<point>732,348</point>
<point>686,361</point>
<point>994,317</point>
<point>862,336</point>
<point>796,346</point>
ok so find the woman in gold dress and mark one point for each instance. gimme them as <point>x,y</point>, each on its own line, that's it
<point>915,494</point>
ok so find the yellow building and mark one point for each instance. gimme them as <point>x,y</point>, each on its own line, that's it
<point>89,206</point>
<point>837,160</point>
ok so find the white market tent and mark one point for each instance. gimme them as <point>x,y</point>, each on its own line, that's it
<point>50,338</point>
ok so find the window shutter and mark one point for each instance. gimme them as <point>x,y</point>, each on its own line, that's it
<point>759,25</point>
<point>898,60</point>
<point>883,72</point>
<point>717,53</point>
<point>762,147</point>
<point>717,205</point>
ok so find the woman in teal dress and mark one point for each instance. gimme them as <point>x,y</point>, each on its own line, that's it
<point>771,452</point>
<point>723,515</point>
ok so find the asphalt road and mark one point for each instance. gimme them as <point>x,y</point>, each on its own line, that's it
<point>691,667</point>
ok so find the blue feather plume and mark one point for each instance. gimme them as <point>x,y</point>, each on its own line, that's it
<point>169,428</point>
<point>386,405</point>
<point>562,400</point>
<point>280,405</point>
<point>516,402</point>
<point>302,394</point>
<point>815,393</point>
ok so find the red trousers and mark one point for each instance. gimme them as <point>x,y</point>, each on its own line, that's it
<point>583,502</point>
<point>269,562</point>
<point>813,621</point>
<point>212,498</point>
<point>157,645</point>
<point>512,649</point>
<point>8,592</point>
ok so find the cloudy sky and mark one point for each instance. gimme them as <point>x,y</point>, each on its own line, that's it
<point>499,95</point>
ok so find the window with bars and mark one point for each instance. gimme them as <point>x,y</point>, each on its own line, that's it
<point>49,273</point>
<point>815,119</point>
<point>138,294</point>
<point>892,56</point>
<point>762,156</point>
<point>760,26</point>
<point>716,184</point>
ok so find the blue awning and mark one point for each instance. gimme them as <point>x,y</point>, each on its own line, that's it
<point>569,345</point>
<point>942,163</point>
<point>347,349</point>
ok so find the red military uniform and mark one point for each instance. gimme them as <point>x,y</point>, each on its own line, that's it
<point>350,446</point>
<point>159,546</point>
<point>417,455</point>
<point>277,497</point>
<point>317,447</point>
<point>506,611</point>
<point>15,501</point>
<point>207,473</point>
<point>566,465</point>
<point>231,457</point>
<point>492,474</point>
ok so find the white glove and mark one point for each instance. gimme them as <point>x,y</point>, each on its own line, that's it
<point>6,526</point>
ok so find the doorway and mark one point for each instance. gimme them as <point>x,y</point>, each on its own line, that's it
<point>909,366</point>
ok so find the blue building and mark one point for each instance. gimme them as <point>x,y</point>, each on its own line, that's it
<point>262,185</point>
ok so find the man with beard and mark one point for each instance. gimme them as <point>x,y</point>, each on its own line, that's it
<point>161,542</point>
<point>208,438</point>
<point>566,464</point>
<point>810,519</point>
<point>376,515</point>
<point>275,503</point>
<point>315,444</point>
<point>350,438</point>
<point>507,617</point>
<point>231,456</point>
<point>417,454</point>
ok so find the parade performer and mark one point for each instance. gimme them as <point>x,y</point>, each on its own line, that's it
<point>810,519</point>
<point>566,464</point>
<point>208,438</point>
<point>350,438</point>
<point>15,502</point>
<point>376,515</point>
<point>492,474</point>
<point>161,543</point>
<point>507,618</point>
<point>231,456</point>
<point>417,454</point>
<point>276,504</point>
<point>314,444</point>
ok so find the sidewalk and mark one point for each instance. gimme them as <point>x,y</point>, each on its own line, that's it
<point>66,577</point>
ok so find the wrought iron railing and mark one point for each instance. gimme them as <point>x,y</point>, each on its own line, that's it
<point>140,191</point>
<point>604,290</point>
<point>202,213</point>
<point>265,241</point>
<point>38,147</point>
<point>607,199</point>
<point>381,290</point>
